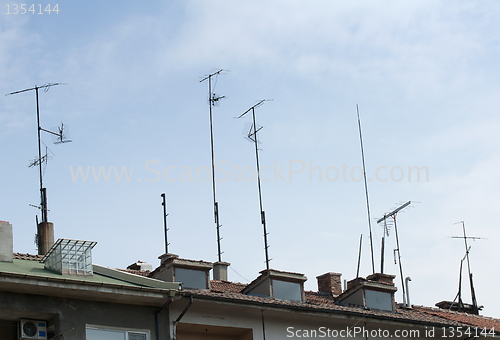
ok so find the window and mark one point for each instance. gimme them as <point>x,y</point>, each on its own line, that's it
<point>194,279</point>
<point>105,333</point>
<point>283,290</point>
<point>378,300</point>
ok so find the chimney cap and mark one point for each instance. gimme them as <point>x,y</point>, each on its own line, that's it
<point>328,274</point>
<point>381,278</point>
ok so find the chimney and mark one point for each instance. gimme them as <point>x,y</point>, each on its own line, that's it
<point>6,242</point>
<point>353,282</point>
<point>330,284</point>
<point>382,278</point>
<point>220,271</point>
<point>165,257</point>
<point>45,237</point>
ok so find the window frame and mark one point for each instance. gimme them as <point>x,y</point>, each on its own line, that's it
<point>126,330</point>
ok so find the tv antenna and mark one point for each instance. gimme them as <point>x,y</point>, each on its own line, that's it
<point>461,306</point>
<point>61,138</point>
<point>366,189</point>
<point>45,158</point>
<point>252,136</point>
<point>213,100</point>
<point>392,215</point>
<point>475,309</point>
<point>164,204</point>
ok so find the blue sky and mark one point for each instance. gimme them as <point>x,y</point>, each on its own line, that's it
<point>425,75</point>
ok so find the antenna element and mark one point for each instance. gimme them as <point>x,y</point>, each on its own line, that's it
<point>252,135</point>
<point>61,138</point>
<point>366,190</point>
<point>213,100</point>
<point>393,215</point>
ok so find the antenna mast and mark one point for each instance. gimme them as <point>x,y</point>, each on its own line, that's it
<point>252,135</point>
<point>393,215</point>
<point>472,291</point>
<point>61,138</point>
<point>366,190</point>
<point>164,203</point>
<point>359,255</point>
<point>213,99</point>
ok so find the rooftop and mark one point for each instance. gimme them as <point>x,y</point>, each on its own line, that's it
<point>315,302</point>
<point>27,265</point>
<point>26,274</point>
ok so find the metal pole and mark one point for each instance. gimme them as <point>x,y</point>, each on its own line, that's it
<point>43,203</point>
<point>359,255</point>
<point>216,205</point>
<point>399,259</point>
<point>164,203</point>
<point>407,292</point>
<point>382,254</point>
<point>366,190</point>
<point>473,293</point>
<point>263,326</point>
<point>262,212</point>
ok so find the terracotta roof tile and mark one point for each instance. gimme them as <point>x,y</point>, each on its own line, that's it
<point>226,286</point>
<point>229,291</point>
<point>318,298</point>
<point>469,319</point>
<point>31,257</point>
<point>136,272</point>
<point>316,302</point>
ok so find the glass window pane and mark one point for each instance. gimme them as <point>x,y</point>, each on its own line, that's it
<point>287,290</point>
<point>378,300</point>
<point>136,336</point>
<point>100,334</point>
<point>194,279</point>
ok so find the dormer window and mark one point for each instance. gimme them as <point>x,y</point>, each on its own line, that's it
<point>70,257</point>
<point>277,284</point>
<point>192,274</point>
<point>191,279</point>
<point>376,292</point>
<point>284,290</point>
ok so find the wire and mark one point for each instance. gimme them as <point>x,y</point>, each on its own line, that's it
<point>231,267</point>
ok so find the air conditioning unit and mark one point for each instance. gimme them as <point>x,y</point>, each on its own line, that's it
<point>32,329</point>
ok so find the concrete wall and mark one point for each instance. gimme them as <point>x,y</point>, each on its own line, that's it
<point>70,316</point>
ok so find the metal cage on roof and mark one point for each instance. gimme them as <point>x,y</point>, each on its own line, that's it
<point>70,257</point>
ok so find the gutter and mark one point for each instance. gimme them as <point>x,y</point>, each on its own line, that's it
<point>181,316</point>
<point>157,316</point>
<point>63,280</point>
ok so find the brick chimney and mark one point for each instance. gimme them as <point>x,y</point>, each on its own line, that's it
<point>45,237</point>
<point>330,284</point>
<point>382,278</point>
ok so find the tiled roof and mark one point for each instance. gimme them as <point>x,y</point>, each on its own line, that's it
<point>317,298</point>
<point>31,257</point>
<point>136,272</point>
<point>473,320</point>
<point>228,291</point>
<point>226,286</point>
<point>319,304</point>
